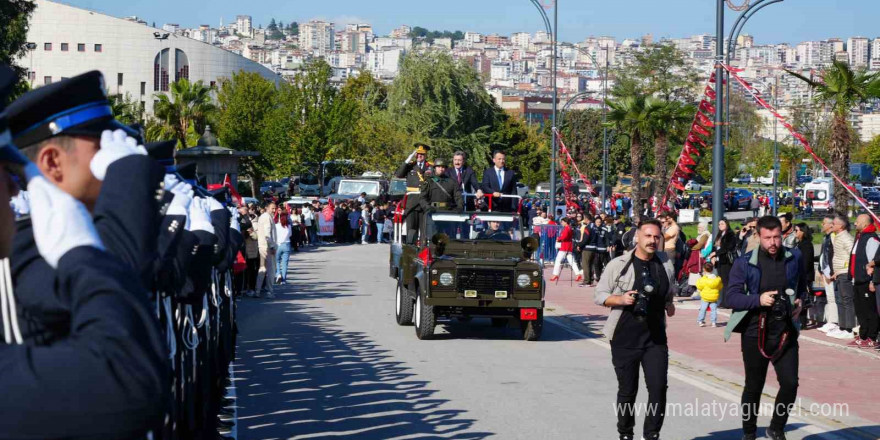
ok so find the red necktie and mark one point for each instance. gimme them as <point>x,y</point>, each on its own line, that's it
<point>458,175</point>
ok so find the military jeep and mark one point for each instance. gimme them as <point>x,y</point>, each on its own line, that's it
<point>465,265</point>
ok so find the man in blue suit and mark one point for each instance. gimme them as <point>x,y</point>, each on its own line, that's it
<point>499,180</point>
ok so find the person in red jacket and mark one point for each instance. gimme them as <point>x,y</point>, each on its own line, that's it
<point>566,246</point>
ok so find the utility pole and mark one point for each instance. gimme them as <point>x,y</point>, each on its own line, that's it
<point>776,153</point>
<point>718,151</point>
<point>605,133</point>
<point>554,35</point>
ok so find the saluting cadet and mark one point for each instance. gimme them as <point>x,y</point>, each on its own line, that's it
<point>104,375</point>
<point>414,170</point>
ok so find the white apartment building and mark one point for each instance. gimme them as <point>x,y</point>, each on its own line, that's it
<point>500,70</point>
<point>385,63</point>
<point>244,25</point>
<point>70,41</point>
<point>542,37</point>
<point>316,37</point>
<point>521,39</point>
<point>401,32</point>
<point>870,126</point>
<point>473,37</point>
<point>858,51</point>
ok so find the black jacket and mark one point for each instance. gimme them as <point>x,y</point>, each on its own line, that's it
<point>469,182</point>
<point>727,245</point>
<point>106,377</point>
<point>490,185</point>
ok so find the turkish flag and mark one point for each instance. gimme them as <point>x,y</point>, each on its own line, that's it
<point>706,107</point>
<point>690,149</point>
<point>704,120</point>
<point>710,92</point>
<point>686,160</point>
<point>699,129</point>
<point>694,138</point>
<point>677,185</point>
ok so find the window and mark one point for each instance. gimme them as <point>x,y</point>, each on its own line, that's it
<point>64,47</point>
<point>160,71</point>
<point>143,88</point>
<point>32,75</point>
<point>119,79</point>
<point>80,47</point>
<point>99,48</point>
<point>181,65</point>
<point>47,47</point>
<point>47,80</point>
<point>213,84</point>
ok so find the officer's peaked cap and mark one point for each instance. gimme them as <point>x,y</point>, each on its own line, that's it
<point>162,151</point>
<point>187,171</point>
<point>73,106</point>
<point>422,148</point>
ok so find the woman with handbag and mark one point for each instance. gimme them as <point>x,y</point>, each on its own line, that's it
<point>724,254</point>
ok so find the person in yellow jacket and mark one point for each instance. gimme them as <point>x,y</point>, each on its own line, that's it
<point>709,285</point>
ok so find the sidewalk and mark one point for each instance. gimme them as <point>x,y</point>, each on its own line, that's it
<point>830,373</point>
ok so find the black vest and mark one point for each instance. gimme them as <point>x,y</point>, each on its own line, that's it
<point>860,259</point>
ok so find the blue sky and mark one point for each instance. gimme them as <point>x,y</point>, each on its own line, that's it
<point>791,21</point>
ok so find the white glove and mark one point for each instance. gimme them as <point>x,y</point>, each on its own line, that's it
<point>233,220</point>
<point>20,204</point>
<point>179,204</point>
<point>171,181</point>
<point>214,205</point>
<point>411,156</point>
<point>60,222</point>
<point>199,217</point>
<point>114,146</point>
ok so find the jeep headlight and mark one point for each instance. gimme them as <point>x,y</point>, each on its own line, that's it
<point>523,280</point>
<point>446,279</point>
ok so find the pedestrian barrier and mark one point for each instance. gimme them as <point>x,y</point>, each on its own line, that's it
<point>546,242</point>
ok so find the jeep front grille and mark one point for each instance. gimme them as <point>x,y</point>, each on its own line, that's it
<point>485,281</point>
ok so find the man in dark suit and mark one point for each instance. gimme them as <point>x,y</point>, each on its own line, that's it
<point>466,177</point>
<point>499,180</point>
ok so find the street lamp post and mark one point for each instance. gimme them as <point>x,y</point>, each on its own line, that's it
<point>718,151</point>
<point>604,119</point>
<point>552,30</point>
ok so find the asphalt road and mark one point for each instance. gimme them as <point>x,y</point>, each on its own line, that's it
<point>327,360</point>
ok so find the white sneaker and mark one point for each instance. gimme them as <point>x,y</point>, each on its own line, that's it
<point>270,295</point>
<point>701,324</point>
<point>827,327</point>
<point>856,329</point>
<point>841,334</point>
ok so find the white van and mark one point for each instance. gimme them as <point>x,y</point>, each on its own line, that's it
<point>821,192</point>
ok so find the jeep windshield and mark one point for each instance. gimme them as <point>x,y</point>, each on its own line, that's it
<point>398,187</point>
<point>356,187</point>
<point>477,226</point>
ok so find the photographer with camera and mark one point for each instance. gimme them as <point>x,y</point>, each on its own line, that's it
<point>766,299</point>
<point>637,286</point>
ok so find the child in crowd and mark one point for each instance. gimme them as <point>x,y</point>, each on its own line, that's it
<point>709,286</point>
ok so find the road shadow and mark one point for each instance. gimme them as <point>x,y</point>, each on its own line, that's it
<point>301,375</point>
<point>847,433</point>
<point>482,329</point>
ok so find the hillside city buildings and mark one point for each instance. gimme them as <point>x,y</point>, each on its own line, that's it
<point>516,68</point>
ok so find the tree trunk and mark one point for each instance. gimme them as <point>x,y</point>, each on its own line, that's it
<point>661,150</point>
<point>635,151</point>
<point>839,155</point>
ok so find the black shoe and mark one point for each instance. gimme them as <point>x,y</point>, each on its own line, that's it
<point>226,411</point>
<point>775,435</point>
<point>749,437</point>
<point>224,424</point>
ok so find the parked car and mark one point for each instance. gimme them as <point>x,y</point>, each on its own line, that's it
<point>806,178</point>
<point>872,196</point>
<point>693,186</point>
<point>522,189</point>
<point>279,188</point>
<point>744,178</point>
<point>737,198</point>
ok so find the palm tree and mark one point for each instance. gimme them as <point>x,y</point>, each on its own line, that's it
<point>631,115</point>
<point>666,116</point>
<point>790,156</point>
<point>842,89</point>
<point>188,105</point>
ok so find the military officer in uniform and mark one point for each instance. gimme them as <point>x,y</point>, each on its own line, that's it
<point>414,170</point>
<point>440,193</point>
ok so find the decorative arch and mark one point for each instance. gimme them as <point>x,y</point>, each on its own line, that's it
<point>181,65</point>
<point>160,71</point>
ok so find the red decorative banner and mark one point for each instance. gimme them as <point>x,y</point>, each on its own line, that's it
<point>748,87</point>
<point>572,191</point>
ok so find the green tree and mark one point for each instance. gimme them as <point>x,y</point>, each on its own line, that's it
<point>660,70</point>
<point>310,123</point>
<point>443,102</point>
<point>842,89</point>
<point>789,158</point>
<point>582,132</point>
<point>244,103</point>
<point>126,110</point>
<point>667,117</point>
<point>189,105</point>
<point>14,24</point>
<point>632,117</point>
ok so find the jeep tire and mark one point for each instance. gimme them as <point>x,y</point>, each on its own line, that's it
<point>403,305</point>
<point>424,319</point>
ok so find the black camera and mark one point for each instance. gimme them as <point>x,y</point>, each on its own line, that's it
<point>780,309</point>
<point>649,286</point>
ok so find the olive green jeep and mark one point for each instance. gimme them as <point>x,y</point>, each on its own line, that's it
<point>470,264</point>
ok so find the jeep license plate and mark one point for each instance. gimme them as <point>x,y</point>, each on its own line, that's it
<point>470,293</point>
<point>500,294</point>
